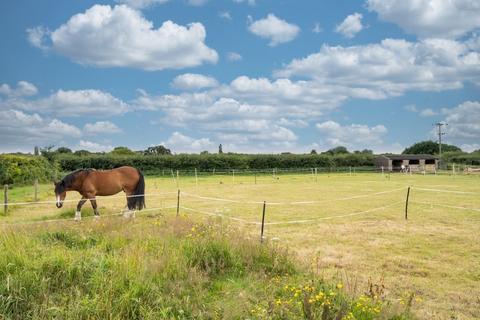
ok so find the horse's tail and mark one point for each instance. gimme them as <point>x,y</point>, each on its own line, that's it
<point>137,200</point>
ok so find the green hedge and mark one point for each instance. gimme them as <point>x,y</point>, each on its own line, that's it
<point>204,162</point>
<point>462,158</point>
<point>20,169</point>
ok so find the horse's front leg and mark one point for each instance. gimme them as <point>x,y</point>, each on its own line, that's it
<point>93,201</point>
<point>78,213</point>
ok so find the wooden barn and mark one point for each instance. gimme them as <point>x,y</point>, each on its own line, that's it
<point>410,162</point>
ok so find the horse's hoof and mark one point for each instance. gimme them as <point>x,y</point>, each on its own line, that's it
<point>96,217</point>
<point>78,216</point>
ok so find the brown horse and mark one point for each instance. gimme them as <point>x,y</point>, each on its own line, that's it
<point>91,183</point>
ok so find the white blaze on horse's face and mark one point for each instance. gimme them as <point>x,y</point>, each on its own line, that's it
<point>60,194</point>
<point>60,198</point>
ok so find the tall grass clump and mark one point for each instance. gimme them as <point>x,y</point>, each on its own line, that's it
<point>163,269</point>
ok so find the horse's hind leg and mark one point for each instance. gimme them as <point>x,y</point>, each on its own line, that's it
<point>129,212</point>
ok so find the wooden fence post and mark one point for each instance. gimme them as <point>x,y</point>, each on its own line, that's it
<point>177,178</point>
<point>316,174</point>
<point>255,177</point>
<point>406,204</point>
<point>178,202</point>
<point>5,199</point>
<point>233,176</point>
<point>263,221</point>
<point>196,178</point>
<point>35,186</point>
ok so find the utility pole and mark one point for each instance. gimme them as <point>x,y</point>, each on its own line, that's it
<point>440,134</point>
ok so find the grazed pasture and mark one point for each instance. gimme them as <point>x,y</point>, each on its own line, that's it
<point>432,258</point>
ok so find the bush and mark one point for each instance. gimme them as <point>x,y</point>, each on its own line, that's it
<point>20,169</point>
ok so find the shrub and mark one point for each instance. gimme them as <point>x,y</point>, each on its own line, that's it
<point>21,169</point>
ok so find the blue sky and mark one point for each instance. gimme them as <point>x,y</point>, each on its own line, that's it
<point>254,75</point>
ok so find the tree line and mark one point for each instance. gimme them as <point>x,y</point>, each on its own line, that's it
<point>51,163</point>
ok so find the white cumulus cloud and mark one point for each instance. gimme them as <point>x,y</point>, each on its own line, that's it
<point>428,112</point>
<point>430,18</point>
<point>225,15</point>
<point>234,56</point>
<point>351,25</point>
<point>463,122</point>
<point>23,89</point>
<point>93,146</point>
<point>121,37</point>
<point>389,68</point>
<point>23,131</point>
<point>100,127</point>
<point>192,81</point>
<point>358,136</point>
<point>140,4</point>
<point>182,143</point>
<point>70,103</point>
<point>278,31</point>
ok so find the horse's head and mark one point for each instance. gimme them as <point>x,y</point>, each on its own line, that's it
<point>60,193</point>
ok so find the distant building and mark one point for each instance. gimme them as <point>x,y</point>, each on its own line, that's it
<point>412,162</point>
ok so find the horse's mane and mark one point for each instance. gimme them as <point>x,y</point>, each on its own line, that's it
<point>69,179</point>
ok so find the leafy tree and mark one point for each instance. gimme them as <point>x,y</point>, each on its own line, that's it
<point>48,152</point>
<point>204,152</point>
<point>313,151</point>
<point>122,151</point>
<point>337,150</point>
<point>82,153</point>
<point>220,149</point>
<point>157,150</point>
<point>429,147</point>
<point>364,151</point>
<point>36,151</point>
<point>64,150</point>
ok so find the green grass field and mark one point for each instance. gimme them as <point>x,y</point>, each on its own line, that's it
<point>353,233</point>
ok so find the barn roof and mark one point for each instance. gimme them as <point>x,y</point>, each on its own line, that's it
<point>409,156</point>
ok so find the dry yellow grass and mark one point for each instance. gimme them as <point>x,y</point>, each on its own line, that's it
<point>435,254</point>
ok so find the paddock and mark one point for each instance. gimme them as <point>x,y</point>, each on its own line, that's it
<point>348,226</point>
